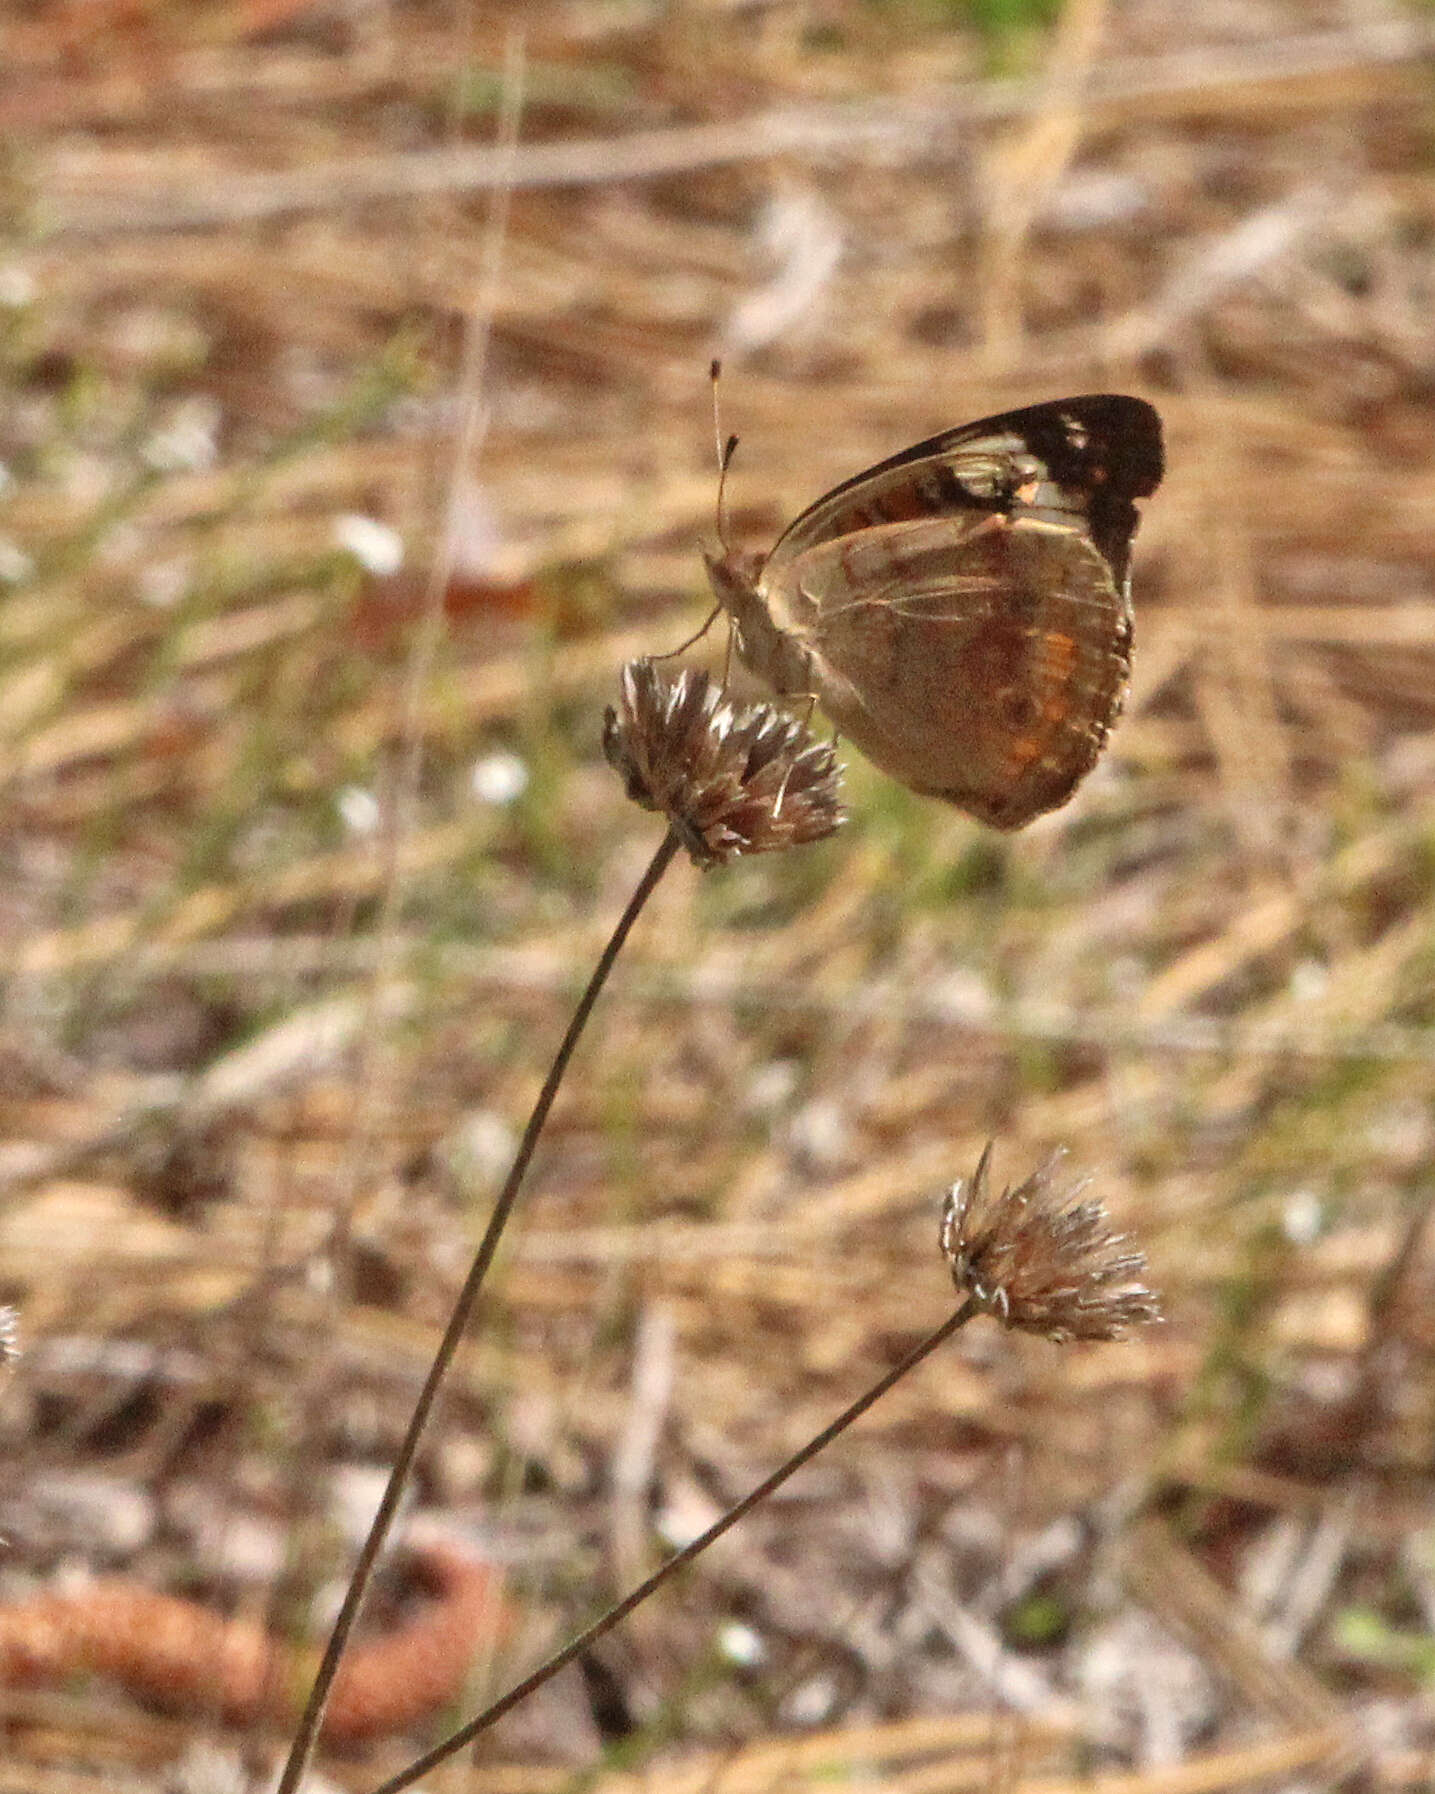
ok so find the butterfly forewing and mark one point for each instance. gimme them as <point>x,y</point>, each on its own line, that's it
<point>1085,459</point>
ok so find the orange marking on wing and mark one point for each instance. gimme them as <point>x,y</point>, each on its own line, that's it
<point>1052,674</point>
<point>1059,656</point>
<point>1024,751</point>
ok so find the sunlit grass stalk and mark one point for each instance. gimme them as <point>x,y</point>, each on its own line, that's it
<point>476,347</point>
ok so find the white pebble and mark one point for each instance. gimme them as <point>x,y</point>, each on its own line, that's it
<point>377,548</point>
<point>498,778</point>
<point>359,810</point>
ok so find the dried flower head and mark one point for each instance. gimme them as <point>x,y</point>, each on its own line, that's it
<point>729,781</point>
<point>1039,1258</point>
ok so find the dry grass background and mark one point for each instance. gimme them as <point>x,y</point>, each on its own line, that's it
<point>274,1008</point>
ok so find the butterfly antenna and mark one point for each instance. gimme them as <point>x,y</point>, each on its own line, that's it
<point>693,639</point>
<point>724,456</point>
<point>725,451</point>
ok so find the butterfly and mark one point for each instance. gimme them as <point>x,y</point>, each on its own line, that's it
<point>962,611</point>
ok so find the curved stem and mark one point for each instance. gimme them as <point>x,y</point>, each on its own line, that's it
<point>306,1736</point>
<point>621,1609</point>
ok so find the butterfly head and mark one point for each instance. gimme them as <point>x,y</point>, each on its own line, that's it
<point>774,654</point>
<point>734,574</point>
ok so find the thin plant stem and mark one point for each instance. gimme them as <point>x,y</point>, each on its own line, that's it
<point>621,1609</point>
<point>306,1736</point>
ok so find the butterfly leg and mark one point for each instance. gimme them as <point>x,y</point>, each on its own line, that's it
<point>727,657</point>
<point>695,638</point>
<point>811,697</point>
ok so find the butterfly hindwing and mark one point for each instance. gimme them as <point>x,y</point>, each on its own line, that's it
<point>980,661</point>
